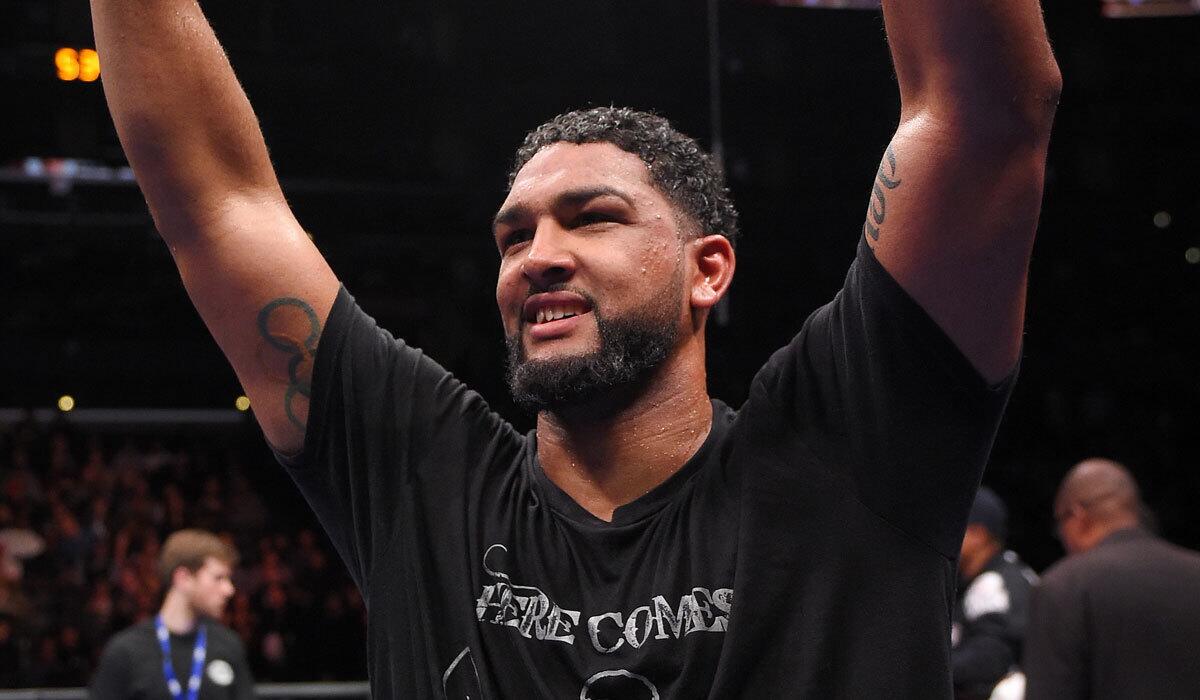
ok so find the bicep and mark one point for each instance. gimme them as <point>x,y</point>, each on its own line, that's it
<point>952,219</point>
<point>264,291</point>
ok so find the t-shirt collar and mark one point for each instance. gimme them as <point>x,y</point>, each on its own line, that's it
<point>645,505</point>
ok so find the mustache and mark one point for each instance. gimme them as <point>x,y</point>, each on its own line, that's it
<point>557,287</point>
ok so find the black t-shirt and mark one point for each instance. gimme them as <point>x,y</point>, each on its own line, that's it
<point>806,550</point>
<point>131,667</point>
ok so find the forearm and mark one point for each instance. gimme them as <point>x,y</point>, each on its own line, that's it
<point>185,123</point>
<point>986,63</point>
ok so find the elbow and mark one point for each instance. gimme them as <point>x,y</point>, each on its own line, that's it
<point>1025,119</point>
<point>1025,112</point>
<point>1039,102</point>
<point>1012,112</point>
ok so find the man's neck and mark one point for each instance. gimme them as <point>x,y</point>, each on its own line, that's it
<point>604,459</point>
<point>1102,531</point>
<point>177,614</point>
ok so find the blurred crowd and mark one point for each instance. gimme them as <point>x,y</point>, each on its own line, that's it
<point>84,513</point>
<point>82,518</point>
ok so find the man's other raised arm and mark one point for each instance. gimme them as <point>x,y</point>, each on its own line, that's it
<point>956,200</point>
<point>194,143</point>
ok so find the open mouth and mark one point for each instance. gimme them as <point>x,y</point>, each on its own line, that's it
<point>541,309</point>
<point>554,313</point>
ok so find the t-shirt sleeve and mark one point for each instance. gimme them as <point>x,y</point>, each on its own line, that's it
<point>379,408</point>
<point>874,387</point>
<point>111,680</point>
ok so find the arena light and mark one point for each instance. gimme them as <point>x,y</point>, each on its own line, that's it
<point>1162,219</point>
<point>1192,255</point>
<point>66,403</point>
<point>77,64</point>
<point>1122,9</point>
<point>242,403</point>
<point>66,62</point>
<point>89,65</point>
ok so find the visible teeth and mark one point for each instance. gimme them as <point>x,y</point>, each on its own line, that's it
<point>554,313</point>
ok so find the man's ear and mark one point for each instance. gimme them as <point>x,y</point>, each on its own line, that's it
<point>714,262</point>
<point>180,576</point>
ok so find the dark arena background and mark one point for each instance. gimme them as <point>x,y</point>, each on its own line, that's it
<point>392,125</point>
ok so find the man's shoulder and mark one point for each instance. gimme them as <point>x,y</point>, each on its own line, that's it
<point>1163,558</point>
<point>220,633</point>
<point>130,639</point>
<point>988,593</point>
<point>1070,573</point>
<point>1121,561</point>
<point>1015,571</point>
<point>136,632</point>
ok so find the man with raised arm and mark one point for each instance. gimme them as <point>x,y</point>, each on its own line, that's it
<point>645,540</point>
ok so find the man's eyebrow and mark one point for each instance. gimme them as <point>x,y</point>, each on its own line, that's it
<point>508,215</point>
<point>583,195</point>
<point>570,198</point>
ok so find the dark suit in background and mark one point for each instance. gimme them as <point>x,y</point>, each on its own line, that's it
<point>1120,621</point>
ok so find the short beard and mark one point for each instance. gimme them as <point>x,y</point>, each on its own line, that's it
<point>631,348</point>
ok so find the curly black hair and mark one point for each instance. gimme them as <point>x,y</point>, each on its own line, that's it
<point>679,167</point>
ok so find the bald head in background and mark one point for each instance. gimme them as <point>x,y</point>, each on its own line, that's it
<point>1119,617</point>
<point>1096,498</point>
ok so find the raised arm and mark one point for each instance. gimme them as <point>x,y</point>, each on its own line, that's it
<point>956,200</point>
<point>194,143</point>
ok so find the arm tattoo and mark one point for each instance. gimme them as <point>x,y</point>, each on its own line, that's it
<point>297,351</point>
<point>883,179</point>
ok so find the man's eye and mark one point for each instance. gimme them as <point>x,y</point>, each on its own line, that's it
<point>594,217</point>
<point>518,236</point>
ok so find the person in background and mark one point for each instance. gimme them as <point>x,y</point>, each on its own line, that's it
<point>1120,616</point>
<point>184,652</point>
<point>992,605</point>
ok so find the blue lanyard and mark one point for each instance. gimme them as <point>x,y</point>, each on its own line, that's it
<point>198,655</point>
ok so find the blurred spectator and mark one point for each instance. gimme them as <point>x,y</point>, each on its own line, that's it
<point>209,511</point>
<point>174,508</point>
<point>1120,616</point>
<point>10,653</point>
<point>98,614</point>
<point>198,653</point>
<point>246,512</point>
<point>991,609</point>
<point>82,517</point>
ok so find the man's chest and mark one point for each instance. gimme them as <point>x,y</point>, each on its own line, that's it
<point>604,610</point>
<point>534,608</point>
<point>217,677</point>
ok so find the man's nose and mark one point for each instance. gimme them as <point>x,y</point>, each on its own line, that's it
<point>548,259</point>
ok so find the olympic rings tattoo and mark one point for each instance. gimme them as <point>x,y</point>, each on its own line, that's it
<point>297,352</point>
